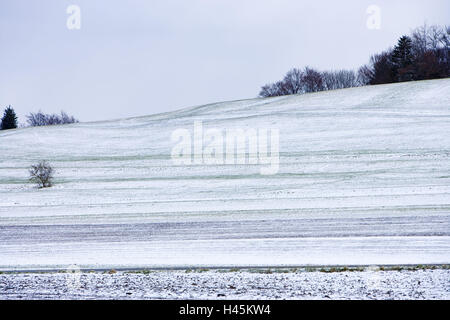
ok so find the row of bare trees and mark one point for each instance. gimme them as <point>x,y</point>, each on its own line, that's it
<point>42,119</point>
<point>298,81</point>
<point>423,55</point>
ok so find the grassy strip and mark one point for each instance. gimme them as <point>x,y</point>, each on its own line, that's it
<point>330,269</point>
<point>324,269</point>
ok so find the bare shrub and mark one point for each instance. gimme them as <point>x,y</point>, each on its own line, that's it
<point>42,174</point>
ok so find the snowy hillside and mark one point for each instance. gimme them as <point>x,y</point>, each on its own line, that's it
<point>364,178</point>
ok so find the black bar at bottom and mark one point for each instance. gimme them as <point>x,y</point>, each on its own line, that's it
<point>223,309</point>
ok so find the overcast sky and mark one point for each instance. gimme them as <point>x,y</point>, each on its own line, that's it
<point>138,57</point>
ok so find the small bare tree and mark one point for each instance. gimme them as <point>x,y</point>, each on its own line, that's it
<point>42,174</point>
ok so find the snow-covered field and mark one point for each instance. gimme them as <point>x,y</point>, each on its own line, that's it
<point>372,284</point>
<point>364,179</point>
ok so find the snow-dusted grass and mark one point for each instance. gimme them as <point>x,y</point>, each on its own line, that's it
<point>206,284</point>
<point>364,179</point>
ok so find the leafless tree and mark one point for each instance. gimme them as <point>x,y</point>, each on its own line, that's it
<point>431,48</point>
<point>339,79</point>
<point>330,80</point>
<point>365,74</point>
<point>347,79</point>
<point>433,37</point>
<point>312,80</point>
<point>293,81</point>
<point>276,89</point>
<point>41,174</point>
<point>419,37</point>
<point>379,69</point>
<point>270,90</point>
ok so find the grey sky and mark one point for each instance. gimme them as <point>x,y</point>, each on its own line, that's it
<point>140,57</point>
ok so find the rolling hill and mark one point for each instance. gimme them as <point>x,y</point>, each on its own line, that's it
<point>364,178</point>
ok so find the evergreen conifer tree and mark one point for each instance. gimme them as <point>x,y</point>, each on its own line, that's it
<point>403,59</point>
<point>9,120</point>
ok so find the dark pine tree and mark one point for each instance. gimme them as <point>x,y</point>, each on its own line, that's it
<point>403,59</point>
<point>9,120</point>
